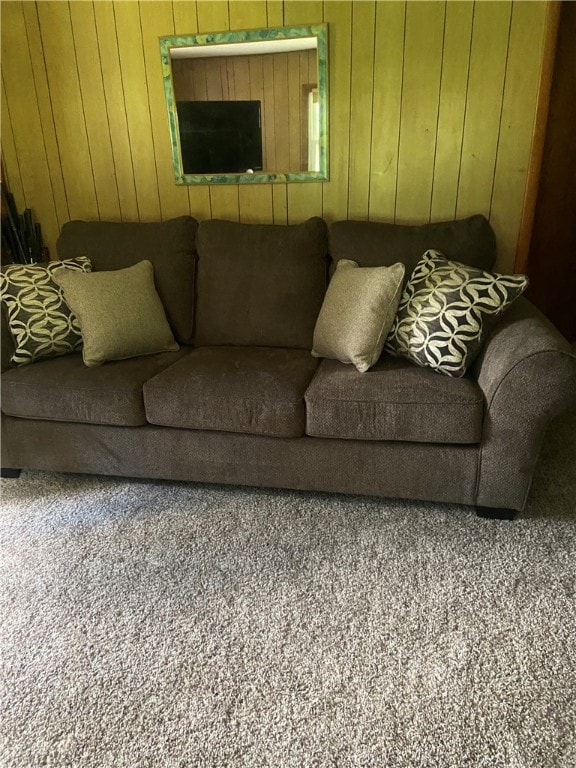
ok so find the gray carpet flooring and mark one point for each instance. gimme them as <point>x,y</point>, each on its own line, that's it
<point>169,624</point>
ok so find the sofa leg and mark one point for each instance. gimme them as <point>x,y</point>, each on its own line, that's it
<point>4,472</point>
<point>496,513</point>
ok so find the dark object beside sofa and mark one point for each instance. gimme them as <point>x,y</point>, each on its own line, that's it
<point>244,402</point>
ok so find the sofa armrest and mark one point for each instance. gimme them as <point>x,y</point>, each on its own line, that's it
<point>527,372</point>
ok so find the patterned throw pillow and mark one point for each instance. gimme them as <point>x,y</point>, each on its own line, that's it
<point>39,319</point>
<point>444,311</point>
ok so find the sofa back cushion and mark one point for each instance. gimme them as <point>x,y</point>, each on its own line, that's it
<point>375,244</point>
<point>169,245</point>
<point>260,284</point>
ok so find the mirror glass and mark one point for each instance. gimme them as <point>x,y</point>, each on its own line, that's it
<point>248,106</point>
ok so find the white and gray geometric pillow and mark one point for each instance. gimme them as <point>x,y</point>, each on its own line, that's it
<point>444,312</point>
<point>41,323</point>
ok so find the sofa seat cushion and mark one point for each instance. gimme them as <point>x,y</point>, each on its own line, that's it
<point>394,400</point>
<point>64,389</point>
<point>256,390</point>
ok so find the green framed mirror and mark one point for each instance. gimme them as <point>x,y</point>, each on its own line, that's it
<point>248,106</point>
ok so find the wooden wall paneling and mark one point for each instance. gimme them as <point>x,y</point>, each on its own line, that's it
<point>60,163</point>
<point>280,203</point>
<point>387,99</point>
<point>527,35</point>
<point>306,79</point>
<point>248,14</point>
<point>424,37</point>
<point>257,93</point>
<point>94,105</point>
<point>281,107</point>
<point>199,80</point>
<point>451,109</point>
<point>227,78</point>
<point>490,31</point>
<point>114,95</point>
<point>185,13</point>
<point>25,122</point>
<point>242,78</point>
<point>68,109</point>
<point>361,92</point>
<point>36,52</point>
<point>136,99</point>
<point>304,199</point>
<point>338,15</point>
<point>254,200</point>
<point>10,166</point>
<point>275,13</point>
<point>213,17</point>
<point>213,79</point>
<point>268,113</point>
<point>157,21</point>
<point>293,115</point>
<point>227,67</point>
<point>27,173</point>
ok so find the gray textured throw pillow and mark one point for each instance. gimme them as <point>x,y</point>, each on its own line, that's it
<point>39,319</point>
<point>444,311</point>
<point>120,313</point>
<point>357,313</point>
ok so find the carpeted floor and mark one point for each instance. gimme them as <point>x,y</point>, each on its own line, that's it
<point>168,624</point>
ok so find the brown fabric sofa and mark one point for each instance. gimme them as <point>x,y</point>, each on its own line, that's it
<point>244,402</point>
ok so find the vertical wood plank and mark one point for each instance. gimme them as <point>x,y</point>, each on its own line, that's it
<point>26,163</point>
<point>116,110</point>
<point>254,201</point>
<point>68,109</point>
<point>338,15</point>
<point>420,95</point>
<point>386,104</point>
<point>293,114</point>
<point>185,14</point>
<point>490,30</point>
<point>248,14</point>
<point>304,199</point>
<point>94,105</point>
<point>45,109</point>
<point>136,99</point>
<point>213,79</point>
<point>281,107</point>
<point>453,87</point>
<point>362,73</point>
<point>157,21</point>
<point>527,35</point>
<point>213,17</point>
<point>10,165</point>
<point>275,13</point>
<point>257,93</point>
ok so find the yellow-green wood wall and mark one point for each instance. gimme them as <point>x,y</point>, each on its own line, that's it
<point>432,109</point>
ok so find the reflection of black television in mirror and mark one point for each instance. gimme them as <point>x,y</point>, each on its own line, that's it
<point>220,136</point>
